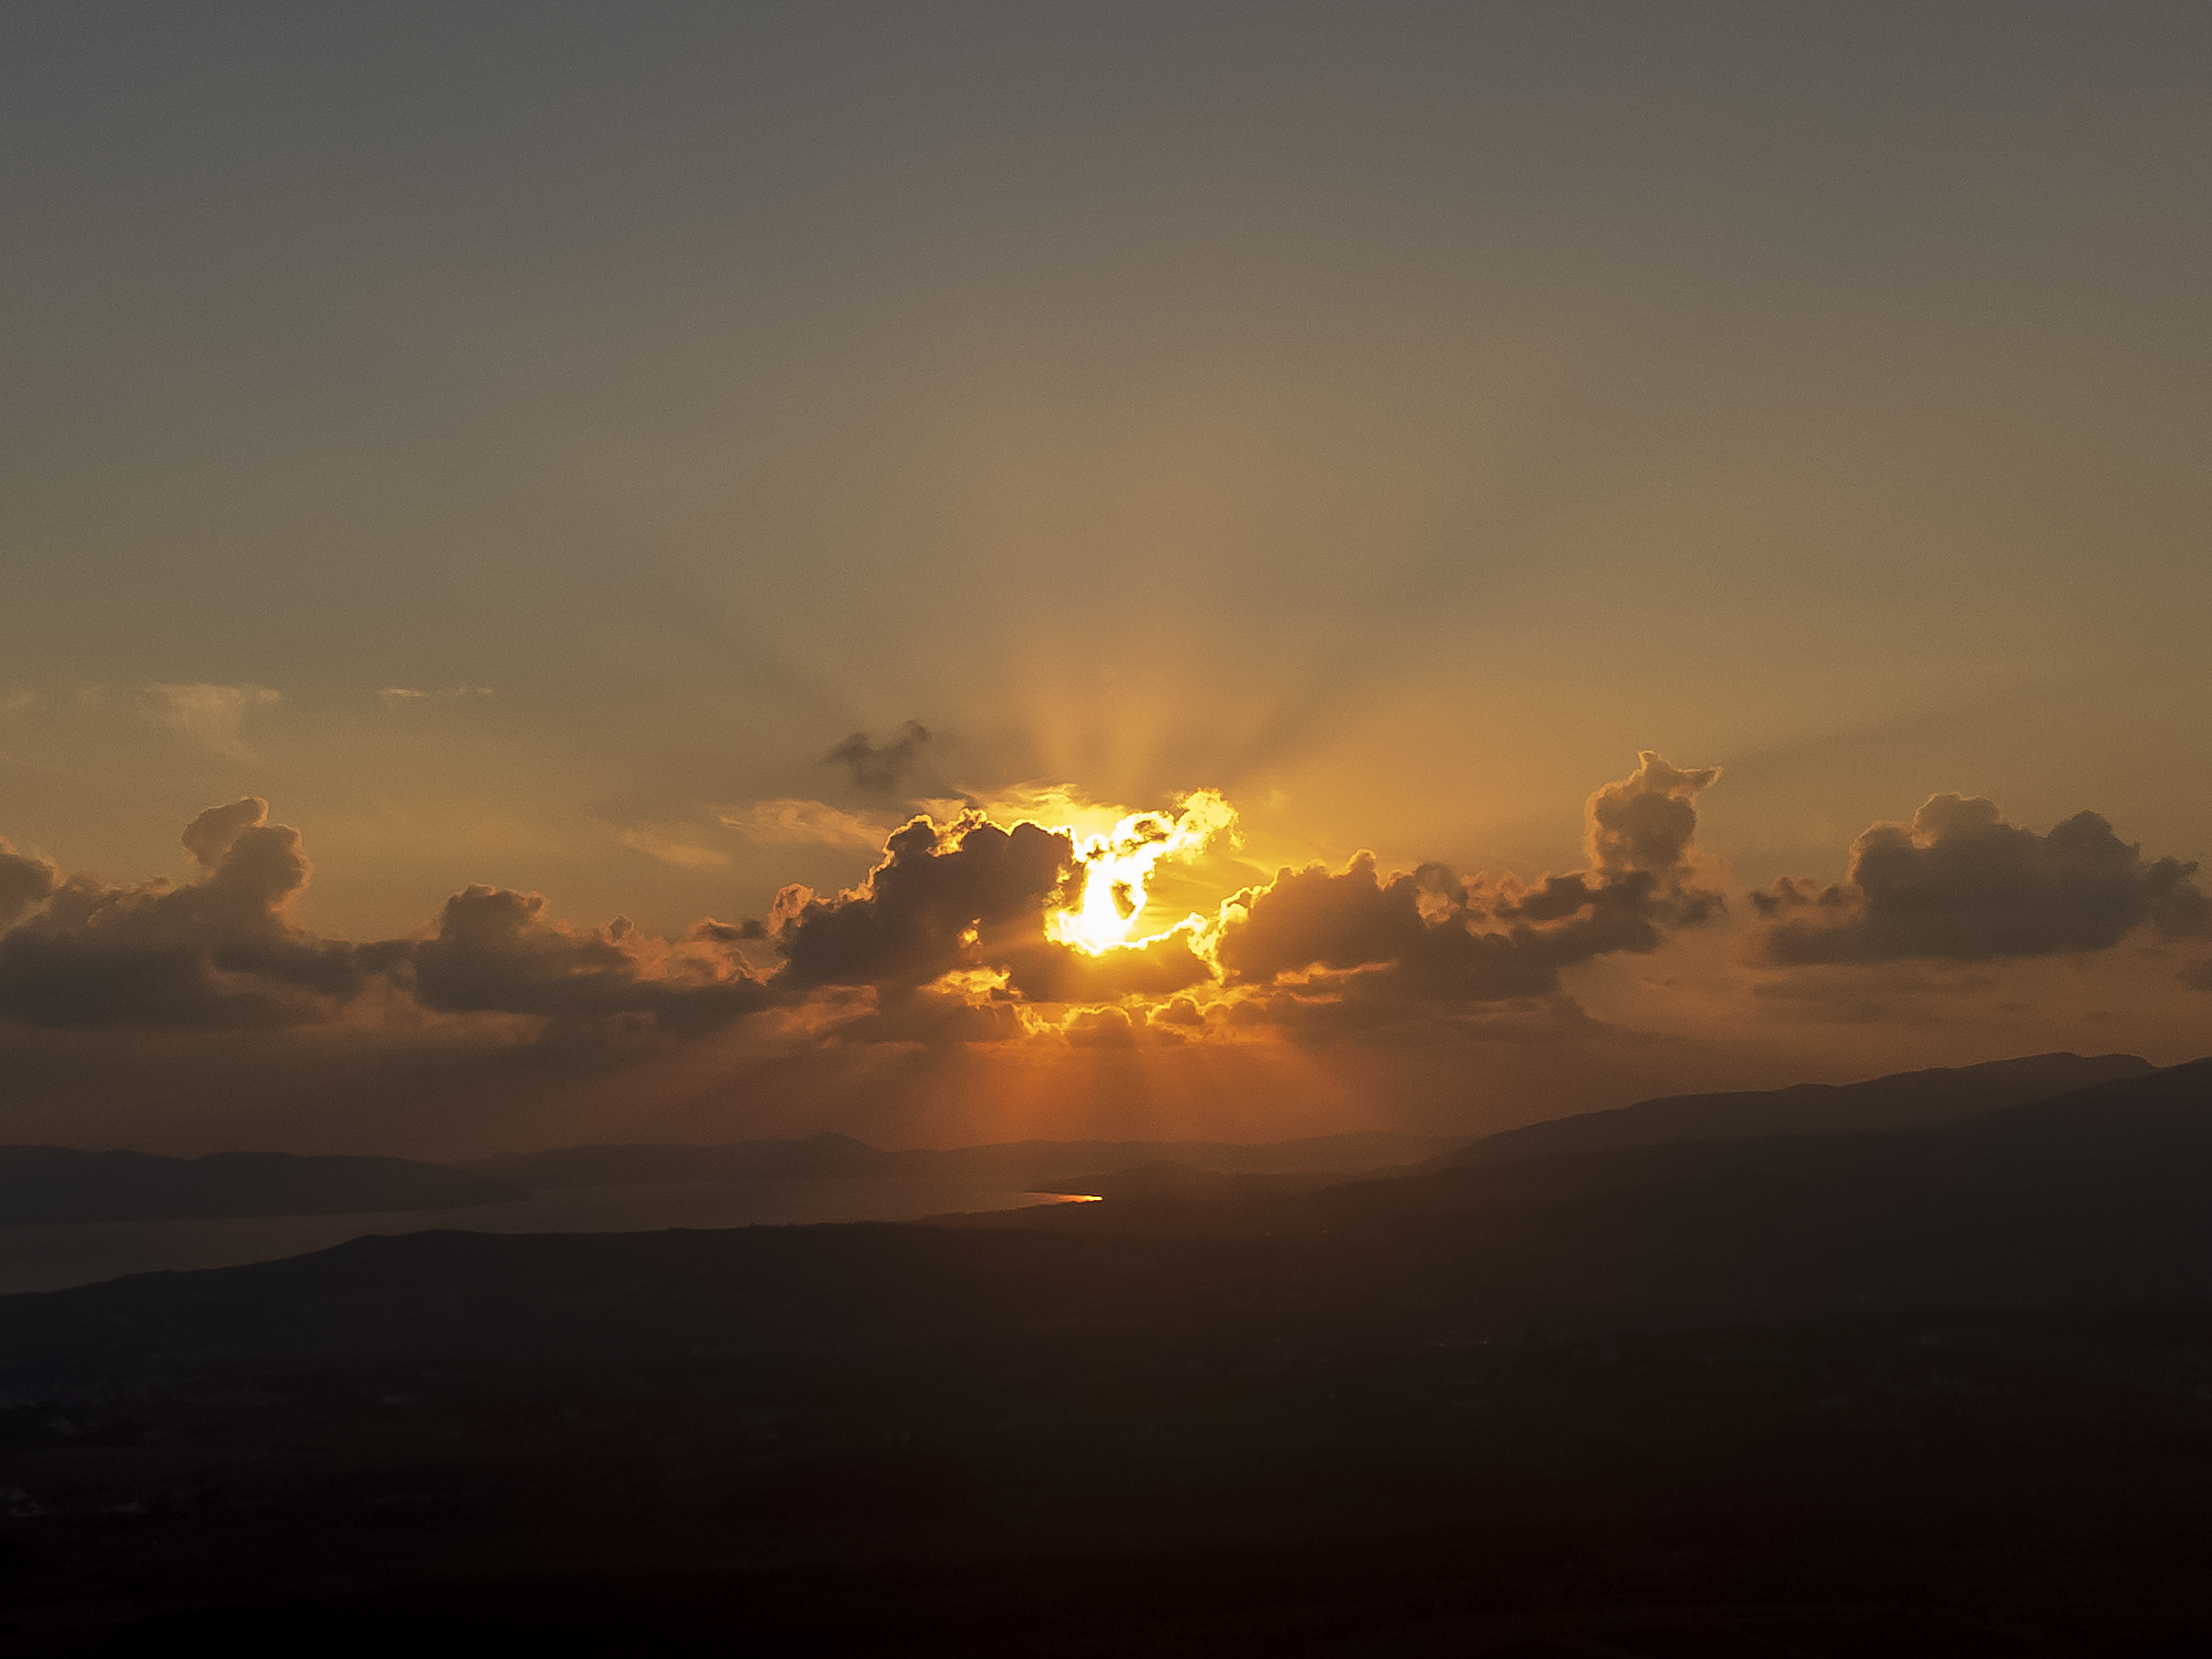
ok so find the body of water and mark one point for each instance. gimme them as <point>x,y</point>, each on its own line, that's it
<point>56,1258</point>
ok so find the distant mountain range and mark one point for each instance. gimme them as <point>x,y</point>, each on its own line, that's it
<point>1014,1163</point>
<point>2093,1196</point>
<point>46,1186</point>
<point>1905,1100</point>
<point>50,1185</point>
<point>1719,1389</point>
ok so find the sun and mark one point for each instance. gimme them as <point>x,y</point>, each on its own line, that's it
<point>1117,863</point>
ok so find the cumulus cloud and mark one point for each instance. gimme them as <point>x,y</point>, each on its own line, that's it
<point>220,952</point>
<point>1646,824</point>
<point>968,896</point>
<point>1046,970</point>
<point>932,1018</point>
<point>1101,1028</point>
<point>971,895</point>
<point>880,770</point>
<point>25,881</point>
<point>1959,882</point>
<point>497,951</point>
<point>215,714</point>
<point>1377,947</point>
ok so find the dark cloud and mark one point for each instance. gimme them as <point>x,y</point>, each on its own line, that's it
<point>880,770</point>
<point>25,882</point>
<point>1646,822</point>
<point>971,895</point>
<point>497,952</point>
<point>1371,1006</point>
<point>932,1018</point>
<point>727,933</point>
<point>1047,971</point>
<point>1101,1028</point>
<point>1959,882</point>
<point>220,952</point>
<point>1376,946</point>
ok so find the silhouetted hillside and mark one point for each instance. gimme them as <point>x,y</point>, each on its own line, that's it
<point>1907,1100</point>
<point>1935,1391</point>
<point>2095,1196</point>
<point>1164,1178</point>
<point>817,1158</point>
<point>42,1186</point>
<point>1014,1163</point>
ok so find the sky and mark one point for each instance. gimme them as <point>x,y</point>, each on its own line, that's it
<point>1576,551</point>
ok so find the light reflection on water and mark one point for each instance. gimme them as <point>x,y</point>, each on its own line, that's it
<point>55,1258</point>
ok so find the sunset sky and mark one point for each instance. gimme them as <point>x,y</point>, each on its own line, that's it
<point>1564,552</point>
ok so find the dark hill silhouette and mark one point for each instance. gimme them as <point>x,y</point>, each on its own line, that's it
<point>1934,1391</point>
<point>1166,1178</point>
<point>1014,1163</point>
<point>43,1186</point>
<point>817,1157</point>
<point>1905,1100</point>
<point>2095,1196</point>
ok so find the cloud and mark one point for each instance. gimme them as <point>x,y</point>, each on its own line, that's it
<point>1100,1028</point>
<point>223,953</point>
<point>496,951</point>
<point>974,896</point>
<point>25,881</point>
<point>1959,882</point>
<point>1425,938</point>
<point>212,714</point>
<point>1646,824</point>
<point>669,845</point>
<point>882,770</point>
<point>790,822</point>
<point>932,1018</point>
<point>970,895</point>
<point>727,933</point>
<point>16,701</point>
<point>1181,1011</point>
<point>398,696</point>
<point>1045,970</point>
<point>218,953</point>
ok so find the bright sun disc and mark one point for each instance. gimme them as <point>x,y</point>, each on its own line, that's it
<point>1117,864</point>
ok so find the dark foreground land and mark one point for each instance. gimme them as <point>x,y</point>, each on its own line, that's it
<point>1939,1392</point>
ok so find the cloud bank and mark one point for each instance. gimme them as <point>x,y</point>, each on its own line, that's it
<point>1958,883</point>
<point>1367,951</point>
<point>973,931</point>
<point>223,951</point>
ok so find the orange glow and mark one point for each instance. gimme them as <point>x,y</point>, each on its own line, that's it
<point>1118,862</point>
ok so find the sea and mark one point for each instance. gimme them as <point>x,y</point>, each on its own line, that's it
<point>86,1253</point>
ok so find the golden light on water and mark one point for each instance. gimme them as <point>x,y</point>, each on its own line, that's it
<point>1117,863</point>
